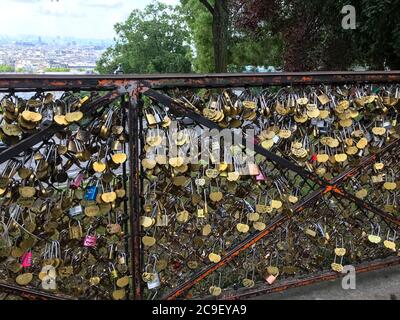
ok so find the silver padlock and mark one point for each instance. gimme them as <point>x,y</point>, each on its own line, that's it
<point>157,115</point>
<point>387,124</point>
<point>75,211</point>
<point>162,220</point>
<point>329,121</point>
<point>155,283</point>
<point>47,119</point>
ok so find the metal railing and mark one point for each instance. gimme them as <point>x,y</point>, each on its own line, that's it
<point>155,87</point>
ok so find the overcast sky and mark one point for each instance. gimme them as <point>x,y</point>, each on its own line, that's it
<point>77,18</point>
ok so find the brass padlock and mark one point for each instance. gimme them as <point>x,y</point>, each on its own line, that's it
<point>75,231</point>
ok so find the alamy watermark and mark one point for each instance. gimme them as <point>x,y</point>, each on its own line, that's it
<point>349,280</point>
<point>349,21</point>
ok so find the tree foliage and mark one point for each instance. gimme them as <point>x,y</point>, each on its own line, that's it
<point>219,35</point>
<point>6,68</point>
<point>378,33</point>
<point>311,31</point>
<point>153,40</point>
<point>243,48</point>
<point>199,21</point>
<point>313,35</point>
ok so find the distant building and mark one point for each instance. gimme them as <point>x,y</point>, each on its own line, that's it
<point>257,69</point>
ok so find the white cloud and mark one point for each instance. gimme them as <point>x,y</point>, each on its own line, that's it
<point>77,18</point>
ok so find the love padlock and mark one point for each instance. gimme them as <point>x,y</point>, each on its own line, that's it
<point>271,279</point>
<point>260,177</point>
<point>77,181</point>
<point>26,260</point>
<point>90,240</point>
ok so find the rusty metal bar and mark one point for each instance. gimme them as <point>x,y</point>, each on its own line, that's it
<point>134,192</point>
<point>364,162</point>
<point>22,82</point>
<point>272,79</point>
<point>367,206</point>
<point>301,282</point>
<point>142,143</point>
<point>124,108</point>
<point>32,294</point>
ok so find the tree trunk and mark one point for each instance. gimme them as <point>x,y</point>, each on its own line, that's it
<point>220,35</point>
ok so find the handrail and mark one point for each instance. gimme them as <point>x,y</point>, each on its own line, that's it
<point>128,83</point>
<point>25,82</point>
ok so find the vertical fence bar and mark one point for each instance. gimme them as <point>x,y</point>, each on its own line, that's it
<point>134,193</point>
<point>124,107</point>
<point>142,143</point>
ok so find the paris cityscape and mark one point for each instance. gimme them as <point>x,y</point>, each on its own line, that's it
<point>34,54</point>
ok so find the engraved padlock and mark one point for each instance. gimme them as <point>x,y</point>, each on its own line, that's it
<point>154,283</point>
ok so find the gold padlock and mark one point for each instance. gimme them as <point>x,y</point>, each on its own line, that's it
<point>151,119</point>
<point>75,232</point>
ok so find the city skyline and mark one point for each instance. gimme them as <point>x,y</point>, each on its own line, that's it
<point>82,19</point>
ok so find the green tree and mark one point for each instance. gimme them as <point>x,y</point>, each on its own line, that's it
<point>6,68</point>
<point>242,48</point>
<point>153,40</point>
<point>311,31</point>
<point>247,50</point>
<point>378,33</point>
<point>313,35</point>
<point>220,13</point>
<point>199,21</point>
